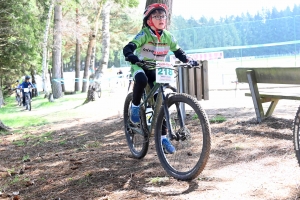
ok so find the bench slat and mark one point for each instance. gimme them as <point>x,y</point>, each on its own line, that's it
<point>274,75</point>
<point>295,96</point>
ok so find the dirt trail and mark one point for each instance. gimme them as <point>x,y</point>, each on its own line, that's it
<point>88,158</point>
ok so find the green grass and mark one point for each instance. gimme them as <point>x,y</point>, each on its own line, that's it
<point>43,111</point>
<point>26,157</point>
<point>158,180</point>
<point>62,142</point>
<point>217,119</point>
<point>19,143</point>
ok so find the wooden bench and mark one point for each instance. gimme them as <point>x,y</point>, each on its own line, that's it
<point>269,75</point>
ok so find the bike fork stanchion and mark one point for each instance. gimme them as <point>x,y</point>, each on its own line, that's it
<point>167,114</point>
<point>182,107</point>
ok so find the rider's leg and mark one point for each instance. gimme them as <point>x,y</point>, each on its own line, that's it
<point>140,82</point>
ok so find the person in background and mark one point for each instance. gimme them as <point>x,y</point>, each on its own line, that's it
<point>15,86</point>
<point>35,88</point>
<point>26,84</point>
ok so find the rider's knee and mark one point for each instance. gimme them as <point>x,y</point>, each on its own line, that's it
<point>141,79</point>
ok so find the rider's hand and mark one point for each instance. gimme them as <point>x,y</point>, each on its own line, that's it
<point>133,59</point>
<point>193,63</point>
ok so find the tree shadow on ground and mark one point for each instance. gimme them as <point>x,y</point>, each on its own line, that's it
<point>89,160</point>
<point>82,161</point>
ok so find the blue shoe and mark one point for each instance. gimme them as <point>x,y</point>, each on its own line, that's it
<point>169,148</point>
<point>135,114</point>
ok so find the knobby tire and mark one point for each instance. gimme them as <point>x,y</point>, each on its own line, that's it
<point>296,135</point>
<point>194,149</point>
<point>138,149</point>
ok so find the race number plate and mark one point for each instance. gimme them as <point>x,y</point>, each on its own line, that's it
<point>26,89</point>
<point>165,72</point>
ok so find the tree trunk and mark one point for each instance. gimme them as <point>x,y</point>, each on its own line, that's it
<point>77,62</point>
<point>3,127</point>
<point>56,55</point>
<point>169,3</point>
<point>45,42</point>
<point>62,78</point>
<point>105,39</point>
<point>34,90</point>
<point>1,97</point>
<point>92,42</point>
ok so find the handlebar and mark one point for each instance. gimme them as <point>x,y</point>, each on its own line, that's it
<point>150,64</point>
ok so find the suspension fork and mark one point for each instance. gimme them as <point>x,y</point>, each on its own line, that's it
<point>167,114</point>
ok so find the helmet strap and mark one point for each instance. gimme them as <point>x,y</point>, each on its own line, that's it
<point>156,29</point>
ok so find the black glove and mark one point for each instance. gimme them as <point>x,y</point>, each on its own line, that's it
<point>133,58</point>
<point>193,63</point>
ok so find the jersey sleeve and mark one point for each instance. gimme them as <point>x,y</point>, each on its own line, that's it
<point>173,43</point>
<point>140,39</point>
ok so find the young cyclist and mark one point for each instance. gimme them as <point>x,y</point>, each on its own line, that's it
<point>152,43</point>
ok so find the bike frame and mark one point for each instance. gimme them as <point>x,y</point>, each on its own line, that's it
<point>161,100</point>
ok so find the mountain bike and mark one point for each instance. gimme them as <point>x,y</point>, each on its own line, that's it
<point>178,114</point>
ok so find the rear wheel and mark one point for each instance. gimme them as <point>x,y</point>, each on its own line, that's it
<point>192,141</point>
<point>136,135</point>
<point>19,100</point>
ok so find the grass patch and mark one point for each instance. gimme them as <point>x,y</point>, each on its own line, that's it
<point>19,143</point>
<point>26,158</point>
<point>5,132</point>
<point>15,180</point>
<point>218,119</point>
<point>18,131</point>
<point>43,111</point>
<point>62,142</point>
<point>24,122</point>
<point>158,180</point>
<point>46,137</point>
<point>29,136</point>
<point>195,116</point>
<point>92,144</point>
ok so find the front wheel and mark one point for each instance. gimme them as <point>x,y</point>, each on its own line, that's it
<point>136,135</point>
<point>192,141</point>
<point>28,102</point>
<point>99,92</point>
<point>296,135</point>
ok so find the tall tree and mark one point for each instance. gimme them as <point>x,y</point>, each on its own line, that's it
<point>77,54</point>
<point>91,45</point>
<point>45,50</point>
<point>56,55</point>
<point>105,38</point>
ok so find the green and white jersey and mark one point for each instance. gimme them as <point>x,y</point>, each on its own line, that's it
<point>149,48</point>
